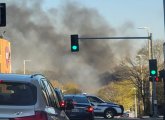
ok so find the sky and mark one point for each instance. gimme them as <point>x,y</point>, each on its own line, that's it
<point>142,13</point>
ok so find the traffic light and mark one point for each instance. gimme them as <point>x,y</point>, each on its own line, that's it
<point>2,14</point>
<point>74,43</point>
<point>157,79</point>
<point>153,67</point>
<point>162,74</point>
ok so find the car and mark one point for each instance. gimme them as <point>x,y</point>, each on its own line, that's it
<point>28,97</point>
<point>105,109</point>
<point>83,109</point>
<point>60,97</point>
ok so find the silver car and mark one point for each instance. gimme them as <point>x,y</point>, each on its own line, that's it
<point>28,97</point>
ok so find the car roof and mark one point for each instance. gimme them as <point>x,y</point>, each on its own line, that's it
<point>78,95</point>
<point>57,89</point>
<point>19,77</point>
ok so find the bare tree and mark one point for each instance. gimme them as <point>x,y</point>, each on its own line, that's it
<point>136,69</point>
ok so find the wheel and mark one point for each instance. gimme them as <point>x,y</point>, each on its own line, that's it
<point>109,114</point>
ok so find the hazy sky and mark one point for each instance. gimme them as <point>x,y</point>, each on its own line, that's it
<point>148,13</point>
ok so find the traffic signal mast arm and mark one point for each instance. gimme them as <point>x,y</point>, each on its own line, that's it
<point>149,37</point>
<point>75,40</point>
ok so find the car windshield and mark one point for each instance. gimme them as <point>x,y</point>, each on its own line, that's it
<point>77,99</point>
<point>12,93</point>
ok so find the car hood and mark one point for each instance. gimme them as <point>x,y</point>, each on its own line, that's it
<point>16,111</point>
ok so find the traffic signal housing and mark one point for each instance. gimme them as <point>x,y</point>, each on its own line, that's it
<point>153,67</point>
<point>2,14</point>
<point>157,79</point>
<point>74,43</point>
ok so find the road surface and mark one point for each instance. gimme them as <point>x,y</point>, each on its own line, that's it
<point>101,118</point>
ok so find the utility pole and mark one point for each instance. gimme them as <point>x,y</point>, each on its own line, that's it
<point>153,85</point>
<point>164,58</point>
<point>150,56</point>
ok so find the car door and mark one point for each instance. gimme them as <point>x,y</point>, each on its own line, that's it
<point>97,104</point>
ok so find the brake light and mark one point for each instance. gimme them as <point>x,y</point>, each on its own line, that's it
<point>62,104</point>
<point>90,109</point>
<point>41,116</point>
<point>38,116</point>
<point>1,81</point>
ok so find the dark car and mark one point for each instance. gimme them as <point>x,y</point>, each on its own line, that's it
<point>60,97</point>
<point>28,97</point>
<point>83,109</point>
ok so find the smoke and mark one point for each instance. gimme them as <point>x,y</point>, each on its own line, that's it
<point>43,36</point>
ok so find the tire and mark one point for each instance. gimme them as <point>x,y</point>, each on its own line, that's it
<point>109,114</point>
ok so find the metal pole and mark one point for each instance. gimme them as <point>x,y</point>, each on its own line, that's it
<point>24,67</point>
<point>150,83</point>
<point>135,104</point>
<point>148,37</point>
<point>164,59</point>
<point>154,100</point>
<point>163,75</point>
<point>153,88</point>
<point>150,56</point>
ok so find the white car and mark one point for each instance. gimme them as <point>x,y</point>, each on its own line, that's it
<point>106,109</point>
<point>28,97</point>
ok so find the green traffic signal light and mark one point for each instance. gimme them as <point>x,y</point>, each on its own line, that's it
<point>74,47</point>
<point>74,43</point>
<point>153,67</point>
<point>2,14</point>
<point>153,72</point>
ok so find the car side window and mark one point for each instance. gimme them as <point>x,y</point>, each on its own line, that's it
<point>54,96</point>
<point>50,93</point>
<point>94,99</point>
<point>45,93</point>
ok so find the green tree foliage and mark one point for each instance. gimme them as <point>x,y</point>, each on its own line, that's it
<point>71,88</point>
<point>120,92</point>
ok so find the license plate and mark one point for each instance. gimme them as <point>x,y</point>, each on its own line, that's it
<point>75,110</point>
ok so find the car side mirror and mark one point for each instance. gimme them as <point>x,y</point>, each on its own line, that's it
<point>69,104</point>
<point>50,111</point>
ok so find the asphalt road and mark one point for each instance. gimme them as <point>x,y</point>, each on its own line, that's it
<point>100,118</point>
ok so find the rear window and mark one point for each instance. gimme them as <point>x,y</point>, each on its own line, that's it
<point>12,93</point>
<point>77,99</point>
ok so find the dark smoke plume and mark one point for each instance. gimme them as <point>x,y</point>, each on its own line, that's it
<point>43,36</point>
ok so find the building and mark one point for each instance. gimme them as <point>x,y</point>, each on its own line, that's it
<point>5,56</point>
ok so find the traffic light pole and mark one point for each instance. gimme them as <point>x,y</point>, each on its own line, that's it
<point>164,58</point>
<point>154,100</point>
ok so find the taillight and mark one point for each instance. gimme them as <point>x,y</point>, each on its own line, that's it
<point>62,104</point>
<point>90,109</point>
<point>38,116</point>
<point>41,116</point>
<point>1,81</point>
